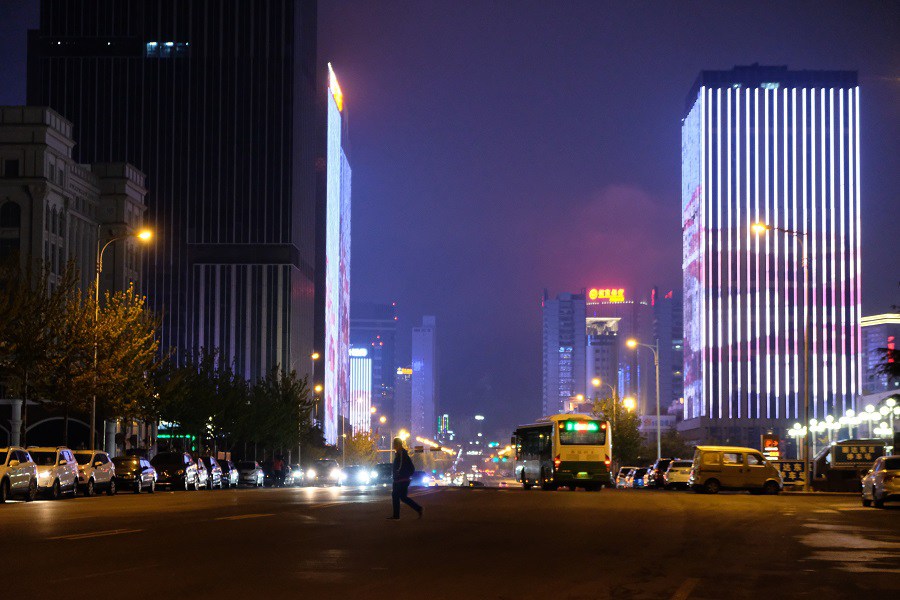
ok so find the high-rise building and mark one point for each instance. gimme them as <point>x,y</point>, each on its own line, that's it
<point>374,327</point>
<point>624,318</point>
<point>669,325</point>
<point>360,401</point>
<point>334,257</point>
<point>402,400</point>
<point>563,350</point>
<point>879,333</point>
<point>766,144</point>
<point>216,103</point>
<point>424,378</point>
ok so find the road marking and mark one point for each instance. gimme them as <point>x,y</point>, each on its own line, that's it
<point>685,589</point>
<point>247,516</point>
<point>96,534</point>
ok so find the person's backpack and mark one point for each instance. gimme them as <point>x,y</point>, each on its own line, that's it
<point>407,468</point>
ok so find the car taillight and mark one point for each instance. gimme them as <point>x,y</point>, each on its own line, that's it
<point>607,462</point>
<point>556,462</point>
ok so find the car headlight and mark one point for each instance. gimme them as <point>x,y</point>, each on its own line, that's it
<point>373,475</point>
<point>179,472</point>
<point>311,474</point>
<point>363,477</point>
<point>335,474</point>
<point>297,473</point>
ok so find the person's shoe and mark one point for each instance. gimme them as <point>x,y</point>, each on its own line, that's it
<point>420,511</point>
<point>393,518</point>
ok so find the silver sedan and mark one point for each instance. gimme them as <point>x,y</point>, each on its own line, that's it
<point>882,482</point>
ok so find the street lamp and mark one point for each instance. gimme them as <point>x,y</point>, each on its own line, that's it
<point>760,228</point>
<point>797,432</point>
<point>628,403</point>
<point>633,343</point>
<point>144,235</point>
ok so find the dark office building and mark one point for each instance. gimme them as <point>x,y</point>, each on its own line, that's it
<point>667,313</point>
<point>216,103</point>
<point>374,327</point>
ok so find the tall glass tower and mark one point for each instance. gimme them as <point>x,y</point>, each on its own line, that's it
<point>216,102</point>
<point>771,145</point>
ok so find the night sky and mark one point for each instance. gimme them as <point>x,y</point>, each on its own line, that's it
<point>499,148</point>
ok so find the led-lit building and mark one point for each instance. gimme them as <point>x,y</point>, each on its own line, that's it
<point>336,262</point>
<point>360,403</point>
<point>879,333</point>
<point>402,399</point>
<point>424,379</point>
<point>767,144</point>
<point>222,120</point>
<point>563,350</point>
<point>374,327</point>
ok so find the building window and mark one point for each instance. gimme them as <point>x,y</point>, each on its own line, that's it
<point>10,215</point>
<point>11,167</point>
<point>166,49</point>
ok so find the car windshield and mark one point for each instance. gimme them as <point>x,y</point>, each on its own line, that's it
<point>3,457</point>
<point>890,464</point>
<point>325,464</point>
<point>125,461</point>
<point>680,464</point>
<point>246,465</point>
<point>83,458</point>
<point>640,472</point>
<point>169,460</point>
<point>44,459</point>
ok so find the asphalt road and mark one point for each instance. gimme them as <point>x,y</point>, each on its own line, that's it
<point>471,543</point>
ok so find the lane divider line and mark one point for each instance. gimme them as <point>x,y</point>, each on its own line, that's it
<point>685,589</point>
<point>95,534</point>
<point>247,516</point>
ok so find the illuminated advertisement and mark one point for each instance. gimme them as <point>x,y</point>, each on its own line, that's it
<point>360,392</point>
<point>337,268</point>
<point>691,195</point>
<point>612,295</point>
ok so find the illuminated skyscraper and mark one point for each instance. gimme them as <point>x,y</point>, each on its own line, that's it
<point>424,379</point>
<point>335,261</point>
<point>765,144</point>
<point>564,350</point>
<point>360,390</point>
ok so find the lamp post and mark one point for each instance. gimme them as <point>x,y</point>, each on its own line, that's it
<point>597,382</point>
<point>633,343</point>
<point>801,237</point>
<point>144,235</point>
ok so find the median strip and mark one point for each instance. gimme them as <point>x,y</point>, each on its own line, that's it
<point>247,516</point>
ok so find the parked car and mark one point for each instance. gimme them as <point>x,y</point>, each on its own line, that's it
<point>325,471</point>
<point>733,468</point>
<point>57,470</point>
<point>636,478</point>
<point>623,475</point>
<point>230,474</point>
<point>294,476</point>
<point>271,477</point>
<point>202,475</point>
<point>134,473</point>
<point>95,472</point>
<point>882,482</point>
<point>176,470</point>
<point>384,474</point>
<point>359,475</point>
<point>655,473</point>
<point>251,473</point>
<point>18,474</point>
<point>214,471</point>
<point>678,474</point>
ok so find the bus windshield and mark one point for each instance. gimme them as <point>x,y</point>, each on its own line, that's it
<point>581,433</point>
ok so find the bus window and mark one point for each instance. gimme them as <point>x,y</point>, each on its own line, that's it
<point>581,433</point>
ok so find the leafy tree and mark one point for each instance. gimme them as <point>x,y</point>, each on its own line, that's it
<point>674,445</point>
<point>627,443</point>
<point>282,409</point>
<point>361,449</point>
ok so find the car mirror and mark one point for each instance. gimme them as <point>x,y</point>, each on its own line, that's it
<point>98,464</point>
<point>62,463</point>
<point>13,463</point>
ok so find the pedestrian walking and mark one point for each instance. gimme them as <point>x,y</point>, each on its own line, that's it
<point>403,471</point>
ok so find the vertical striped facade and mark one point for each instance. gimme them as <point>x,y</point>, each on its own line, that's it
<point>765,144</point>
<point>360,403</point>
<point>215,102</point>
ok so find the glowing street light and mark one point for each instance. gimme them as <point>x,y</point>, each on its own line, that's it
<point>382,419</point>
<point>633,344</point>
<point>318,388</point>
<point>596,382</point>
<point>629,403</point>
<point>403,435</point>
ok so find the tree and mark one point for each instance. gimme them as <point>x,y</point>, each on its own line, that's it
<point>361,449</point>
<point>674,445</point>
<point>282,409</point>
<point>627,443</point>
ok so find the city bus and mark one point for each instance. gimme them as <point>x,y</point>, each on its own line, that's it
<point>570,450</point>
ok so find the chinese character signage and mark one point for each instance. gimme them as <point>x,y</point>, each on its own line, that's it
<point>856,454</point>
<point>792,471</point>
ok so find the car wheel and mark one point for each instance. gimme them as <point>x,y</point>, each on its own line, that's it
<point>111,490</point>
<point>876,501</point>
<point>866,502</point>
<point>54,490</point>
<point>32,491</point>
<point>4,491</point>
<point>526,485</point>
<point>712,486</point>
<point>137,486</point>
<point>152,487</point>
<point>89,488</point>
<point>771,488</point>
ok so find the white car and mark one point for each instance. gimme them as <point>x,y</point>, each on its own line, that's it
<point>56,469</point>
<point>18,474</point>
<point>882,482</point>
<point>95,472</point>
<point>678,474</point>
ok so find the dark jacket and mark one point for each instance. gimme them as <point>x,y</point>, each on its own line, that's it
<point>403,466</point>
